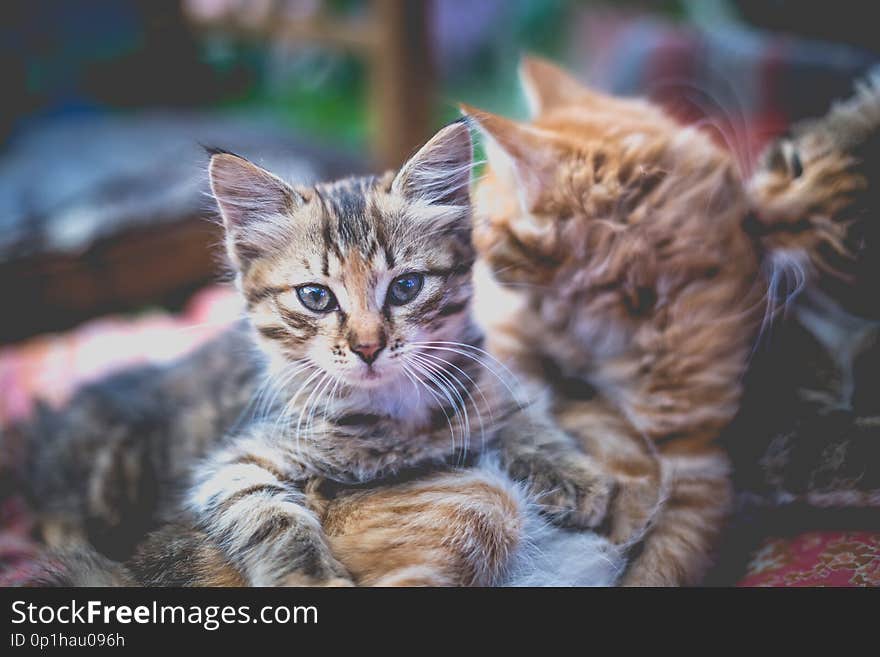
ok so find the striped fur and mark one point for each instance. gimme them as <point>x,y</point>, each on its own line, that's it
<point>390,434</point>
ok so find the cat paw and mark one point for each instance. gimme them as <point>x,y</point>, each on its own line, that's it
<point>575,493</point>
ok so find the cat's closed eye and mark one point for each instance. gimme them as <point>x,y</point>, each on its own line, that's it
<point>316,298</point>
<point>404,289</point>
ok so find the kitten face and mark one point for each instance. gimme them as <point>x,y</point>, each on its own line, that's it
<point>346,277</point>
<point>814,200</point>
<point>603,210</point>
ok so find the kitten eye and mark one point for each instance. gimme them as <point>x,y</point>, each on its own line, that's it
<point>404,289</point>
<point>316,298</point>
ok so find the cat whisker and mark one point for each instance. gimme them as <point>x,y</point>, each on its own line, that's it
<point>451,396</point>
<point>787,279</point>
<point>311,406</point>
<point>332,398</point>
<point>476,387</point>
<point>304,411</point>
<point>288,409</point>
<point>276,383</point>
<point>413,376</point>
<point>481,357</point>
<point>732,130</point>
<point>455,385</point>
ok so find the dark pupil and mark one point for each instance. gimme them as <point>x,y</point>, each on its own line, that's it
<point>405,288</point>
<point>315,297</point>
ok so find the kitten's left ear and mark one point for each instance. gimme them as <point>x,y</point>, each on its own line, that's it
<point>524,156</point>
<point>546,85</point>
<point>440,172</point>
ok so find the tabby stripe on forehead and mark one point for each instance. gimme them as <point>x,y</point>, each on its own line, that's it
<point>349,205</point>
<point>329,245</point>
<point>381,237</point>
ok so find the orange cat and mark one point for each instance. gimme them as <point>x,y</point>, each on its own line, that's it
<point>629,285</point>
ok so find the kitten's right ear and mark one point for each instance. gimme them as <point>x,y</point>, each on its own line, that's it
<point>256,206</point>
<point>440,172</point>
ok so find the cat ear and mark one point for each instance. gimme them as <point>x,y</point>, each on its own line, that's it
<point>523,156</point>
<point>256,206</point>
<point>440,172</point>
<point>546,85</point>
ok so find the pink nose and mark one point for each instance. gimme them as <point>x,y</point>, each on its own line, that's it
<point>368,351</point>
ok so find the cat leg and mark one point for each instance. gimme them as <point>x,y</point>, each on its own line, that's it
<point>457,528</point>
<point>570,487</point>
<point>623,455</point>
<point>247,501</point>
<point>679,544</point>
<point>670,507</point>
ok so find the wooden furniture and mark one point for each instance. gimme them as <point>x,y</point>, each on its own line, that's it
<point>394,38</point>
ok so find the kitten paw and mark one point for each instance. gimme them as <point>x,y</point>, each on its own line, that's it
<point>575,493</point>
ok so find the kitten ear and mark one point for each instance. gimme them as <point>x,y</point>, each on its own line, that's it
<point>546,85</point>
<point>255,205</point>
<point>523,156</point>
<point>440,172</point>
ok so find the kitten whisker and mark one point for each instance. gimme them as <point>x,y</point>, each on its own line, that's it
<point>304,411</point>
<point>276,383</point>
<point>290,407</point>
<point>476,386</point>
<point>418,381</point>
<point>459,347</point>
<point>312,408</point>
<point>454,385</point>
<point>450,397</point>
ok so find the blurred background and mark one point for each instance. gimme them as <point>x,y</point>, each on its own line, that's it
<point>108,252</point>
<point>106,104</point>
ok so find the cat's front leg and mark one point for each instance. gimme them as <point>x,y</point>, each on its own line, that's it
<point>247,502</point>
<point>572,489</point>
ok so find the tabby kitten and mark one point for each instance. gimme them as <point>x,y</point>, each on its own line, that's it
<point>616,235</point>
<point>359,295</point>
<point>812,411</point>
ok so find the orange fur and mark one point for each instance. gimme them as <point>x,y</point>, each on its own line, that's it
<point>620,233</point>
<point>451,529</point>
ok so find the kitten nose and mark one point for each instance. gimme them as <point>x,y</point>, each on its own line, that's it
<point>368,351</point>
